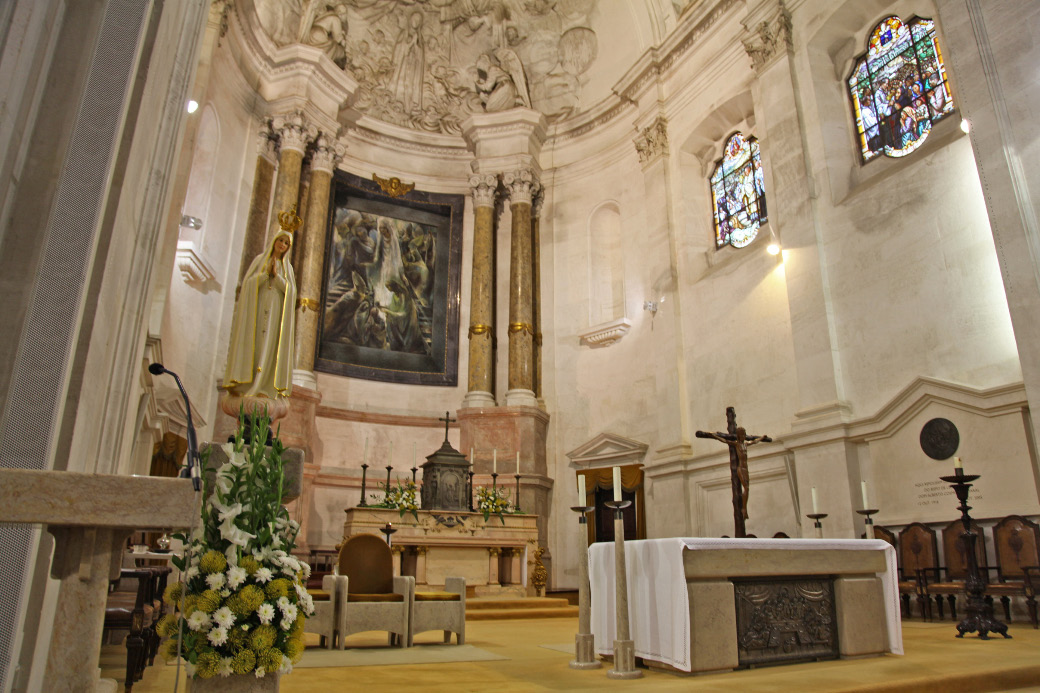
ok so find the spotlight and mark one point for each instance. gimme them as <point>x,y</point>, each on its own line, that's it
<point>193,106</point>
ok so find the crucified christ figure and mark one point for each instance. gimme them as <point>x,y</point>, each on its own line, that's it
<point>738,441</point>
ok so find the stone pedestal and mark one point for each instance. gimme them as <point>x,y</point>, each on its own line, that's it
<point>510,430</point>
<point>90,515</point>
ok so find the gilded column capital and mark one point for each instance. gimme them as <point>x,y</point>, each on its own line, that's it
<point>494,551</point>
<point>484,186</point>
<point>421,550</point>
<point>328,152</point>
<point>397,548</point>
<point>769,39</point>
<point>652,141</point>
<point>521,185</point>
<point>294,131</point>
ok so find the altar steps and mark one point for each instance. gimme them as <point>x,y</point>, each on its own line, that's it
<point>502,609</point>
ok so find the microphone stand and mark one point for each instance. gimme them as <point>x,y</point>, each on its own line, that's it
<point>192,470</point>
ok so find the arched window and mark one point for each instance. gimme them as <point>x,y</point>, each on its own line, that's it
<point>737,193</point>
<point>899,88</point>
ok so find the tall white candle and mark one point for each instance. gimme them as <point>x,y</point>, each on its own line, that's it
<point>471,455</point>
<point>518,463</point>
<point>390,457</point>
<point>413,454</point>
<point>815,502</point>
<point>863,488</point>
<point>957,463</point>
<point>617,484</point>
<point>364,460</point>
<point>494,461</point>
<point>581,489</point>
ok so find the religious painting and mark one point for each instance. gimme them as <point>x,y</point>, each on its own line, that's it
<point>390,296</point>
<point>899,88</point>
<point>738,193</point>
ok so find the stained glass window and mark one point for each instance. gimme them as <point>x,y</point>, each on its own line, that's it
<point>737,192</point>
<point>899,88</point>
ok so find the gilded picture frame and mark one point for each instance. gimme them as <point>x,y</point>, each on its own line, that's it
<point>390,284</point>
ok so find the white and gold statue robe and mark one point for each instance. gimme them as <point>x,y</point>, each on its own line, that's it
<point>260,353</point>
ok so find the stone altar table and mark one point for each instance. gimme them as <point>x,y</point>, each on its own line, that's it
<point>492,556</point>
<point>90,516</point>
<point>683,594</point>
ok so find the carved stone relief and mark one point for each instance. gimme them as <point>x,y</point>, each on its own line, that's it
<point>768,39</point>
<point>429,64</point>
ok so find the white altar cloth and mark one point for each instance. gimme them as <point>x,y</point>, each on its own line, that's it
<point>658,603</point>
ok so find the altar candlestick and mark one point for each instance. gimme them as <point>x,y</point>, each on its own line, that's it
<point>617,484</point>
<point>581,489</point>
<point>517,461</point>
<point>863,489</point>
<point>815,502</point>
<point>494,461</point>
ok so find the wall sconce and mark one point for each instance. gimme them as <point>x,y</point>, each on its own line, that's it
<point>652,307</point>
<point>191,222</point>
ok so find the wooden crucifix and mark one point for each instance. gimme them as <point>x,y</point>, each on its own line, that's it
<point>738,441</point>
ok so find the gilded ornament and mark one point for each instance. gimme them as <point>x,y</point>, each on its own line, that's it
<point>306,303</point>
<point>478,328</point>
<point>527,327</point>
<point>393,186</point>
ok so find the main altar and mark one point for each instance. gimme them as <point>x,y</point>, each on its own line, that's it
<point>491,554</point>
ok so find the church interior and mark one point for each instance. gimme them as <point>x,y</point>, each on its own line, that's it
<point>492,266</point>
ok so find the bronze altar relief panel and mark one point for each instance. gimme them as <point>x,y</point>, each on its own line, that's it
<point>784,620</point>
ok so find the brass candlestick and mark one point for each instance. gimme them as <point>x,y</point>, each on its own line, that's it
<point>364,474</point>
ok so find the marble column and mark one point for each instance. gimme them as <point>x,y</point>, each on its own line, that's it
<point>260,200</point>
<point>521,183</point>
<point>310,257</point>
<point>482,294</point>
<point>294,133</point>
<point>493,555</point>
<point>536,294</point>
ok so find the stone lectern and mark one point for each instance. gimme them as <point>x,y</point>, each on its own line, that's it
<point>445,480</point>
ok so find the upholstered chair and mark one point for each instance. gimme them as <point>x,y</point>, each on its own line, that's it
<point>376,600</point>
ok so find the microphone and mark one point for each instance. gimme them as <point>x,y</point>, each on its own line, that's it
<point>192,470</point>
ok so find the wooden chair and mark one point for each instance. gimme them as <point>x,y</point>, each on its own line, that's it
<point>445,610</point>
<point>918,553</point>
<point>130,607</point>
<point>948,581</point>
<point>1017,542</point>
<point>376,600</point>
<point>906,587</point>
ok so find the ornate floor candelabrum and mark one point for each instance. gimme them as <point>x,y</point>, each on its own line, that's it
<point>584,643</point>
<point>979,614</point>
<point>816,518</point>
<point>624,647</point>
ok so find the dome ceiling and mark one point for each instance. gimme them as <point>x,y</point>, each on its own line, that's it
<point>429,64</point>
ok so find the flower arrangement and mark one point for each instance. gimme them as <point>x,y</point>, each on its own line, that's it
<point>402,497</point>
<point>493,501</point>
<point>242,603</point>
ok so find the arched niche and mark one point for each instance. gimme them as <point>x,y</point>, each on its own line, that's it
<point>606,274</point>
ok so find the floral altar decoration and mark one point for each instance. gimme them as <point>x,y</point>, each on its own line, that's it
<point>401,497</point>
<point>242,602</point>
<point>494,501</point>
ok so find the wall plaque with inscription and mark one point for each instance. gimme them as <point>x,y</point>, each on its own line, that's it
<point>785,620</point>
<point>939,439</point>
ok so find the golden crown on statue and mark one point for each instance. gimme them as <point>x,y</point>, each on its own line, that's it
<point>289,221</point>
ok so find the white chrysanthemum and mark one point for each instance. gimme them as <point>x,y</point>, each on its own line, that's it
<point>262,554</point>
<point>288,616</point>
<point>224,617</point>
<point>260,672</point>
<point>308,604</point>
<point>235,577</point>
<point>265,612</point>
<point>224,667</point>
<point>283,604</point>
<point>217,637</point>
<point>225,593</point>
<point>276,541</point>
<point>263,575</point>
<point>215,580</point>
<point>306,569</point>
<point>198,621</point>
<point>286,667</point>
<point>191,572</point>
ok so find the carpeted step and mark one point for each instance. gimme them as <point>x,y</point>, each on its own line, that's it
<point>474,604</point>
<point>511,614</point>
